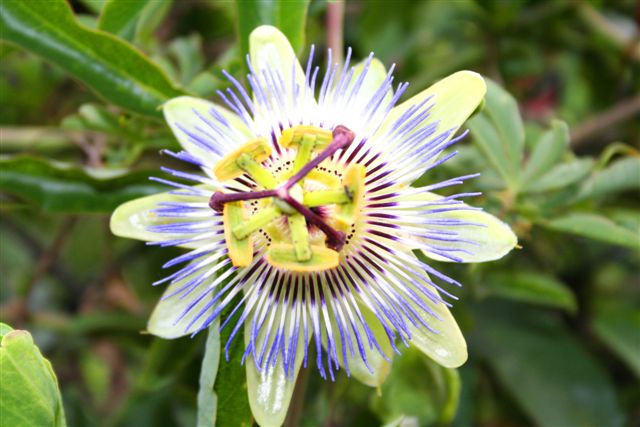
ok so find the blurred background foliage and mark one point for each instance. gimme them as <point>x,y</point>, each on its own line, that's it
<point>553,329</point>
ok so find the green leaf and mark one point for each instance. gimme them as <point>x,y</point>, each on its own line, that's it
<point>28,385</point>
<point>499,133</point>
<point>420,388</point>
<point>550,376</point>
<point>60,187</point>
<point>560,176</point>
<point>111,67</point>
<point>548,150</point>
<point>622,175</point>
<point>595,227</point>
<point>120,16</point>
<point>290,17</point>
<point>4,330</point>
<point>150,18</point>
<point>531,287</point>
<point>207,398</point>
<point>618,328</point>
<point>231,381</point>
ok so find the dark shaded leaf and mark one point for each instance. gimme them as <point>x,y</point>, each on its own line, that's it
<point>290,17</point>
<point>531,287</point>
<point>231,381</point>
<point>551,377</point>
<point>111,67</point>
<point>207,399</point>
<point>619,328</point>
<point>59,187</point>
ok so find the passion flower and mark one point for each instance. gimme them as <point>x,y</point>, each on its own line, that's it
<point>304,223</point>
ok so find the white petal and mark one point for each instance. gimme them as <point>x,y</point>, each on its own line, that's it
<point>453,100</point>
<point>270,391</point>
<point>162,322</point>
<point>489,240</point>
<point>134,218</point>
<point>194,115</point>
<point>357,368</point>
<point>455,97</point>
<point>447,347</point>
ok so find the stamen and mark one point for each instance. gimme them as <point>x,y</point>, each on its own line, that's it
<point>240,250</point>
<point>300,237</point>
<point>283,255</point>
<point>247,160</point>
<point>256,171</point>
<point>327,197</point>
<point>256,222</point>
<point>228,168</point>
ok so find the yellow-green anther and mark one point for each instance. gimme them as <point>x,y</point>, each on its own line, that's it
<point>327,197</point>
<point>240,250</point>
<point>353,180</point>
<point>283,255</point>
<point>256,171</point>
<point>256,222</point>
<point>300,237</point>
<point>305,148</point>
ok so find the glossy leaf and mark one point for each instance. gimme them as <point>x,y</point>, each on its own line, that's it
<point>290,17</point>
<point>60,187</point>
<point>119,16</point>
<point>560,176</point>
<point>28,385</point>
<point>111,67</point>
<point>618,327</point>
<point>547,372</point>
<point>207,398</point>
<point>595,227</point>
<point>531,287</point>
<point>499,133</point>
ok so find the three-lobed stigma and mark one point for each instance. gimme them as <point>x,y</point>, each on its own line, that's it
<point>285,208</point>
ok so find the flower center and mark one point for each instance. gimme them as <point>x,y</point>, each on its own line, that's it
<point>286,207</point>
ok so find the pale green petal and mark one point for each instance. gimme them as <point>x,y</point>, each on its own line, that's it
<point>357,367</point>
<point>455,97</point>
<point>270,392</point>
<point>133,219</point>
<point>270,49</point>
<point>180,112</point>
<point>491,240</point>
<point>447,347</point>
<point>372,81</point>
<point>162,322</point>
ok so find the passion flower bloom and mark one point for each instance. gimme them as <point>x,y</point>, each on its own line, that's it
<point>304,225</point>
